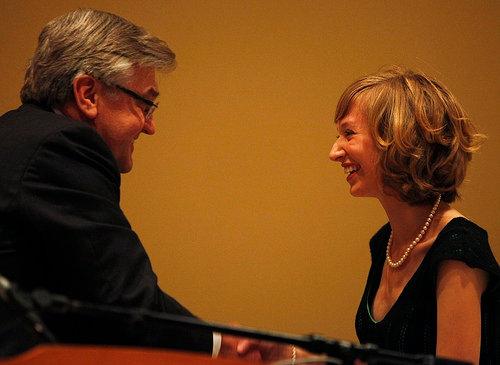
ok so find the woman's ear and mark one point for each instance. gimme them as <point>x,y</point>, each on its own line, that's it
<point>85,91</point>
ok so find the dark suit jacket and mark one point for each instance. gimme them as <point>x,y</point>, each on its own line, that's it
<point>62,228</point>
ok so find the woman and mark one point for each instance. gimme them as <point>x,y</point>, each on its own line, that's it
<point>405,140</point>
<point>433,287</point>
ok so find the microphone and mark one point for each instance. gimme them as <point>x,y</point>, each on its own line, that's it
<point>21,302</point>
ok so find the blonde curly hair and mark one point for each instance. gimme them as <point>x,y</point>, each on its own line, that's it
<point>423,134</point>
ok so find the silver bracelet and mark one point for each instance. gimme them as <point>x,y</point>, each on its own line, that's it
<point>294,355</point>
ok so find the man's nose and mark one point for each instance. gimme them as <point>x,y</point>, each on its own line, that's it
<point>149,127</point>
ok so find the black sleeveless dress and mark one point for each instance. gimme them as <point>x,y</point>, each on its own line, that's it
<point>410,326</point>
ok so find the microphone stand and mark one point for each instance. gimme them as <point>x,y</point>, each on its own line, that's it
<point>343,350</point>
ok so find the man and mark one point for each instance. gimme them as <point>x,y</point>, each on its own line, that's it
<point>89,92</point>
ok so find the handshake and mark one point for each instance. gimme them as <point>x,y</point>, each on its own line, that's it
<point>267,351</point>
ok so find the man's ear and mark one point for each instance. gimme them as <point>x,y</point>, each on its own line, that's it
<point>85,89</point>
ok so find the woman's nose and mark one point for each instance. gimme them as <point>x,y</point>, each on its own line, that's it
<point>337,152</point>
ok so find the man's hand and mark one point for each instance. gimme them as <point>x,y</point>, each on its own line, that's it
<point>231,347</point>
<point>273,351</point>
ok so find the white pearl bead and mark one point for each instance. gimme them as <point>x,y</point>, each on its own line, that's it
<point>414,242</point>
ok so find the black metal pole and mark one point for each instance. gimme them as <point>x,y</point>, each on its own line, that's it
<point>344,350</point>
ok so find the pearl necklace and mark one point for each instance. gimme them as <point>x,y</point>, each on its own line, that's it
<point>396,264</point>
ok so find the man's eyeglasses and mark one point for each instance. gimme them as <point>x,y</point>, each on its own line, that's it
<point>150,105</point>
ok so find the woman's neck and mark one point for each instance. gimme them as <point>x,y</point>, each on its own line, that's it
<point>407,220</point>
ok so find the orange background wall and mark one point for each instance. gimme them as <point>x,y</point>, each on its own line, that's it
<point>245,218</point>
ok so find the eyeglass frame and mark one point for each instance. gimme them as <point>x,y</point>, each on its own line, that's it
<point>148,115</point>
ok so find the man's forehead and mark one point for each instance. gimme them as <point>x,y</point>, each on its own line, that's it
<point>144,81</point>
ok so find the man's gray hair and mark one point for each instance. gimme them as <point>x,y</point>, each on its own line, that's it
<point>91,42</point>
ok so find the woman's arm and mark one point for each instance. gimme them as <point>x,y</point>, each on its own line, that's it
<point>459,289</point>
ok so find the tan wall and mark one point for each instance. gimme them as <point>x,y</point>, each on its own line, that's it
<point>244,216</point>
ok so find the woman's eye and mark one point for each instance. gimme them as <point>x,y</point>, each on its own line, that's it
<point>348,132</point>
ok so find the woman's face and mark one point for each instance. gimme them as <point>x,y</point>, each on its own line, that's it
<point>356,151</point>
